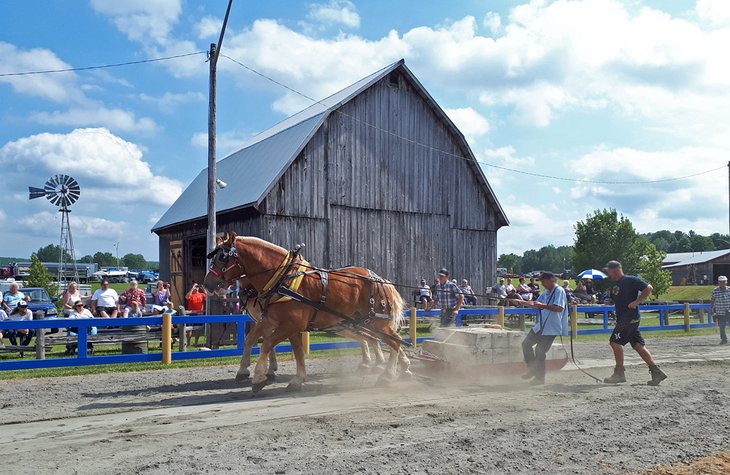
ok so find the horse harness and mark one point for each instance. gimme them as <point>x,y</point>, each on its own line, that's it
<point>284,286</point>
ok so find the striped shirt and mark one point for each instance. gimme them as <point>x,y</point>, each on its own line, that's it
<point>446,294</point>
<point>721,300</point>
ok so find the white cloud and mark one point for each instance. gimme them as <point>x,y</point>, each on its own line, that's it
<point>714,12</point>
<point>142,19</point>
<point>169,101</point>
<point>208,27</point>
<point>107,167</point>
<point>97,116</point>
<point>57,87</point>
<point>503,157</point>
<point>336,12</point>
<point>47,224</point>
<point>493,22</point>
<point>471,123</point>
<point>692,203</point>
<point>3,215</point>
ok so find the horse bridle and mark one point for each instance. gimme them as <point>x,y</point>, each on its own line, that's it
<point>224,255</point>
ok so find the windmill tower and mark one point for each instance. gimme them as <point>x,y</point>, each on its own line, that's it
<point>62,191</point>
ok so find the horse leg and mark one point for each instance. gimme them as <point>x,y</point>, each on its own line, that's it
<point>251,339</point>
<point>405,363</point>
<point>392,367</point>
<point>273,366</point>
<point>379,358</point>
<point>297,347</point>
<point>366,359</point>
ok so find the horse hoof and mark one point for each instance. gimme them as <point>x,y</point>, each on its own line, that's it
<point>270,378</point>
<point>407,374</point>
<point>241,377</point>
<point>294,386</point>
<point>256,387</point>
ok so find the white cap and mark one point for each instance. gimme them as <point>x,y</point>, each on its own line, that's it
<point>722,278</point>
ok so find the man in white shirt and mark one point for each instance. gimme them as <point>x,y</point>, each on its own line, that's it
<point>105,301</point>
<point>21,313</point>
<point>79,311</point>
<point>3,316</point>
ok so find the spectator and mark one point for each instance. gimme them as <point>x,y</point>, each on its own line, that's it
<point>133,295</point>
<point>3,316</point>
<point>69,297</point>
<point>135,311</point>
<point>510,288</point>
<point>162,293</point>
<point>21,313</point>
<point>105,301</point>
<point>582,295</point>
<point>424,294</point>
<point>721,306</point>
<point>449,298</point>
<point>500,289</point>
<point>79,310</point>
<point>535,288</point>
<point>13,297</point>
<point>468,293</point>
<point>589,289</point>
<point>524,290</point>
<point>569,292</point>
<point>196,298</point>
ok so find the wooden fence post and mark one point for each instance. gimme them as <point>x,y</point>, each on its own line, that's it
<point>500,316</point>
<point>574,321</point>
<point>686,317</point>
<point>166,338</point>
<point>412,326</point>
<point>305,342</point>
<point>40,344</point>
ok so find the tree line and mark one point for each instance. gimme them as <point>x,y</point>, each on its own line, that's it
<point>52,252</point>
<point>605,235</point>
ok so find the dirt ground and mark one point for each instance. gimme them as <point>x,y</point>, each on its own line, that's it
<point>199,420</point>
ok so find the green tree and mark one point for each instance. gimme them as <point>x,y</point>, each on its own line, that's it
<point>604,236</point>
<point>105,259</point>
<point>40,277</point>
<point>650,269</point>
<point>511,262</point>
<point>701,243</point>
<point>87,259</point>
<point>51,253</point>
<point>135,261</point>
<point>683,244</point>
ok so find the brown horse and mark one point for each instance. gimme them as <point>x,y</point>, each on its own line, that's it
<point>255,309</point>
<point>356,301</point>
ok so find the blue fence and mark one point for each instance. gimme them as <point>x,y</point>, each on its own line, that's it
<point>83,325</point>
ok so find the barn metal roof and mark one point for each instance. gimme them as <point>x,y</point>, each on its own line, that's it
<point>681,259</point>
<point>255,168</point>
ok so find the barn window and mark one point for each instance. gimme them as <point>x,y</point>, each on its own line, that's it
<point>394,79</point>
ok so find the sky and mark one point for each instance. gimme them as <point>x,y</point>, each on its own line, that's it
<point>578,90</point>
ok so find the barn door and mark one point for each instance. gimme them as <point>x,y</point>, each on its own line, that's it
<point>177,281</point>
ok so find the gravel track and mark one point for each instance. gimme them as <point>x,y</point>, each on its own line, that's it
<point>200,420</point>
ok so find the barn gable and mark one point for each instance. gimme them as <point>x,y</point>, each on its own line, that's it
<point>256,171</point>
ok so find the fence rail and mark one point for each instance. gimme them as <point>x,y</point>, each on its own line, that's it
<point>499,314</point>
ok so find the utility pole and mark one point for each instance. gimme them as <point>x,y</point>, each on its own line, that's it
<point>215,50</point>
<point>728,204</point>
<point>116,247</point>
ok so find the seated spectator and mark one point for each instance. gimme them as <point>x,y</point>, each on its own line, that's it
<point>589,289</point>
<point>20,313</point>
<point>468,293</point>
<point>524,290</point>
<point>69,296</point>
<point>500,290</point>
<point>79,311</point>
<point>133,295</point>
<point>509,287</point>
<point>13,297</point>
<point>582,295</point>
<point>135,311</point>
<point>569,292</point>
<point>105,301</point>
<point>3,316</point>
<point>162,294</point>
<point>196,299</point>
<point>424,294</point>
<point>535,288</point>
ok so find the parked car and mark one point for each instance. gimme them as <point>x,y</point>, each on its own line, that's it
<point>40,302</point>
<point>501,271</point>
<point>147,277</point>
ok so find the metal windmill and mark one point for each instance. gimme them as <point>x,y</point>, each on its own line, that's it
<point>62,191</point>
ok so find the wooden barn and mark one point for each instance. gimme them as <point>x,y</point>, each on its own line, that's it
<point>375,175</point>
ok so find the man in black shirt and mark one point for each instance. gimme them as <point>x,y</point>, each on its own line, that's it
<point>627,293</point>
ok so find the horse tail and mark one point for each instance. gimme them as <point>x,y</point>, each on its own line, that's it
<point>397,306</point>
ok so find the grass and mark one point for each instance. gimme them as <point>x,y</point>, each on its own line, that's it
<point>688,292</point>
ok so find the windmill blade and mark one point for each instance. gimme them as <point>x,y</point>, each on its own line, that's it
<point>51,184</point>
<point>73,184</point>
<point>66,180</point>
<point>36,192</point>
<point>54,198</point>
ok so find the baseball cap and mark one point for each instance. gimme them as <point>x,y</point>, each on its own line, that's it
<point>722,278</point>
<point>78,302</point>
<point>22,303</point>
<point>444,272</point>
<point>613,265</point>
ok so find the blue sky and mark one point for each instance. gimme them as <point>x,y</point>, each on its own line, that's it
<point>590,90</point>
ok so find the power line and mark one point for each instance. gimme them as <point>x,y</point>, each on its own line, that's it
<point>102,66</point>
<point>445,152</point>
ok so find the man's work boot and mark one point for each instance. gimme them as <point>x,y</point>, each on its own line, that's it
<point>618,376</point>
<point>530,372</point>
<point>657,376</point>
